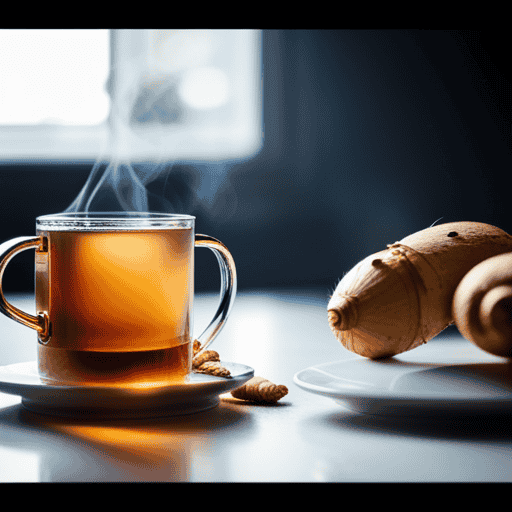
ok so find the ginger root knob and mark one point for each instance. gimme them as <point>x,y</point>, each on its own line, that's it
<point>259,389</point>
<point>334,318</point>
<point>208,362</point>
<point>213,368</point>
<point>343,314</point>
<point>482,305</point>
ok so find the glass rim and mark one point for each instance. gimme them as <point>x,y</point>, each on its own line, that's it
<point>113,220</point>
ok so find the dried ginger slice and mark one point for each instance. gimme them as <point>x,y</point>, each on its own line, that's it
<point>207,355</point>
<point>213,368</point>
<point>208,362</point>
<point>259,389</point>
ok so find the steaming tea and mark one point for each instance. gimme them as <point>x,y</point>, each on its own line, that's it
<point>119,303</point>
<point>114,293</point>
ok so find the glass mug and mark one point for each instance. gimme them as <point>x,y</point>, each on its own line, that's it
<point>114,296</point>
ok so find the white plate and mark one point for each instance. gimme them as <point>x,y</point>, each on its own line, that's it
<point>201,392</point>
<point>397,387</point>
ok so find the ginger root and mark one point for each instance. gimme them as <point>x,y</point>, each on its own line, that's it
<point>213,368</point>
<point>207,355</point>
<point>259,389</point>
<point>399,298</point>
<point>256,389</point>
<point>208,362</point>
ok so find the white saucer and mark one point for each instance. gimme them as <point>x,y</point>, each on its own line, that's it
<point>396,387</point>
<point>201,392</point>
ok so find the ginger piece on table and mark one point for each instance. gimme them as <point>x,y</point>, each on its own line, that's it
<point>259,389</point>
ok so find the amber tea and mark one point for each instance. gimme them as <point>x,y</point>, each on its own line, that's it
<point>119,304</point>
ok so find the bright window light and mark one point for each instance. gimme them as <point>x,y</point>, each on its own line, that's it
<point>143,94</point>
<point>204,88</point>
<point>54,76</point>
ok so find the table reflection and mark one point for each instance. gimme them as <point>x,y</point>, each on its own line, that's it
<point>186,448</point>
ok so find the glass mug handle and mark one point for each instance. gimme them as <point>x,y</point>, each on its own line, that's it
<point>228,287</point>
<point>7,251</point>
<point>41,322</point>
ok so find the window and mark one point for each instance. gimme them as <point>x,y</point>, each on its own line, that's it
<point>186,95</point>
<point>177,95</point>
<point>53,97</point>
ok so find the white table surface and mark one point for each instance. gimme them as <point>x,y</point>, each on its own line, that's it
<point>304,438</point>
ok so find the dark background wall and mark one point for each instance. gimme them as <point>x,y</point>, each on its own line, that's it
<point>370,135</point>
